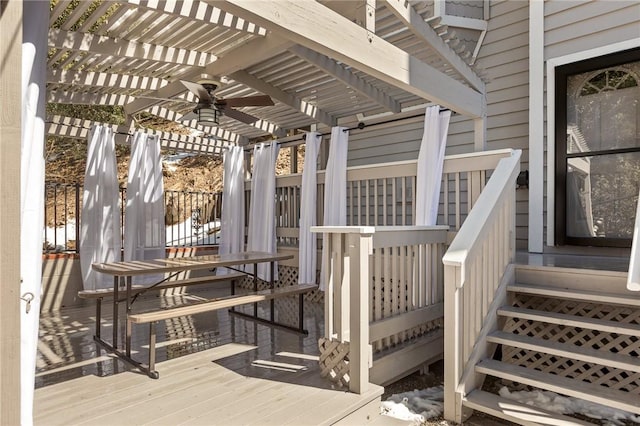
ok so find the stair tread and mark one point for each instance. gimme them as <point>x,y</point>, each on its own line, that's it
<point>515,411</point>
<point>562,385</point>
<point>630,299</point>
<point>567,350</point>
<point>571,320</point>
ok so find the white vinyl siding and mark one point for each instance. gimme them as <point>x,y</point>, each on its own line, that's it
<point>504,57</point>
<point>587,25</point>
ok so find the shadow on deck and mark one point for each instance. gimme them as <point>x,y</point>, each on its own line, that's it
<point>215,368</point>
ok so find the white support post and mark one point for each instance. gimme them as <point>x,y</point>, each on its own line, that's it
<point>360,247</point>
<point>11,18</point>
<point>536,126</point>
<point>480,133</point>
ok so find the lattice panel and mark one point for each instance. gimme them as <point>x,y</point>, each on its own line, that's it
<point>581,337</point>
<point>287,275</point>
<point>197,343</point>
<point>334,360</point>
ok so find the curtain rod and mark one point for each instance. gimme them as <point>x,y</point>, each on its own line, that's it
<point>361,125</point>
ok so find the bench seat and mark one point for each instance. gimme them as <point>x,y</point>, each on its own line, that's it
<point>152,317</point>
<point>107,293</point>
<point>219,303</point>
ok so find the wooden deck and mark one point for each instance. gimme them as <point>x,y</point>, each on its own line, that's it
<point>215,368</point>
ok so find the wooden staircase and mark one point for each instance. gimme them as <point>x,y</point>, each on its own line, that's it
<point>574,332</point>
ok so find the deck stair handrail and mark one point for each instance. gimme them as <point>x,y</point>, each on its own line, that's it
<point>474,267</point>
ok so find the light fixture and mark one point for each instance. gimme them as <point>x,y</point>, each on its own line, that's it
<point>208,116</point>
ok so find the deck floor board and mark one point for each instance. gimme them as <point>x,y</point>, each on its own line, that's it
<point>215,368</point>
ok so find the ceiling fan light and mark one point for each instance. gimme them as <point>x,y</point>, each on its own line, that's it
<point>208,116</point>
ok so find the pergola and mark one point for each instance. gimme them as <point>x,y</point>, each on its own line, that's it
<point>323,63</point>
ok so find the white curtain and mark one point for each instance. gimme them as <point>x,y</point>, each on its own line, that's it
<point>633,276</point>
<point>232,220</point>
<point>308,245</point>
<point>430,163</point>
<point>335,187</point>
<point>145,233</point>
<point>34,60</point>
<point>100,239</point>
<point>262,222</point>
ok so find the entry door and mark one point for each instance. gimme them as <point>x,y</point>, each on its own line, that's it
<point>598,150</point>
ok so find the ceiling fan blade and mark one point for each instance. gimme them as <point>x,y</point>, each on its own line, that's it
<point>239,115</point>
<point>259,100</point>
<point>198,90</point>
<point>189,116</point>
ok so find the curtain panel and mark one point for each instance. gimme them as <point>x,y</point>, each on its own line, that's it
<point>145,232</point>
<point>100,239</point>
<point>335,188</point>
<point>262,222</point>
<point>308,243</point>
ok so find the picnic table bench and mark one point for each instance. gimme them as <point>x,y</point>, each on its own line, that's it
<point>127,270</point>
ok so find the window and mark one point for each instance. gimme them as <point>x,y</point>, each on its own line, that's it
<point>598,150</point>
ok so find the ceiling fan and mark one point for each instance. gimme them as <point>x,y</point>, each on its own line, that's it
<point>209,107</point>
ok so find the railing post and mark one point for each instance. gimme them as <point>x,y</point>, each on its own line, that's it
<point>360,247</point>
<point>452,343</point>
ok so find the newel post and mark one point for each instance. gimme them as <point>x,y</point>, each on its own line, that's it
<point>452,343</point>
<point>360,247</point>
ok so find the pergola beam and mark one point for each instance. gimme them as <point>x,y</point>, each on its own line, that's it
<point>85,42</point>
<point>347,77</point>
<point>407,14</point>
<point>286,98</point>
<point>103,79</point>
<point>77,98</point>
<point>200,12</point>
<point>77,128</point>
<point>318,28</point>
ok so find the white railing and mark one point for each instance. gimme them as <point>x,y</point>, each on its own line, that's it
<point>475,265</point>
<point>384,194</point>
<point>383,286</point>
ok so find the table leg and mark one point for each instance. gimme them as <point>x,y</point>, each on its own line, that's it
<point>128,304</point>
<point>116,284</point>
<point>255,288</point>
<point>271,286</point>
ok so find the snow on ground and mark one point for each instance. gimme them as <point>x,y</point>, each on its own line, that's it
<point>421,405</point>
<point>416,406</point>
<point>568,405</point>
<point>180,234</point>
<point>170,161</point>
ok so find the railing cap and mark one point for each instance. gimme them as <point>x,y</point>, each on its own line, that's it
<point>344,229</point>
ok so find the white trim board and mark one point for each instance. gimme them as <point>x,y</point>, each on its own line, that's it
<point>535,238</point>
<point>552,63</point>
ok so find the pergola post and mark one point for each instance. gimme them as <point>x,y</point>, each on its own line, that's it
<point>10,140</point>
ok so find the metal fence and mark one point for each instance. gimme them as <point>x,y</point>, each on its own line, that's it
<point>192,218</point>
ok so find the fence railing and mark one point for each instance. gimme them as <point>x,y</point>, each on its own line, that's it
<point>192,218</point>
<point>391,278</point>
<point>384,194</point>
<point>474,268</point>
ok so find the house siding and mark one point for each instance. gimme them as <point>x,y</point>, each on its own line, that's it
<point>504,57</point>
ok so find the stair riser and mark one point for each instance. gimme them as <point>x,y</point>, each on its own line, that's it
<point>579,279</point>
